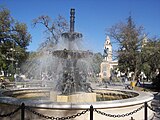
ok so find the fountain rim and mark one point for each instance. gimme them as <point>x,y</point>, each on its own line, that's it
<point>140,99</point>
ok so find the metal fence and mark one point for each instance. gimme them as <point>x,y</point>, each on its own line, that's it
<point>24,108</point>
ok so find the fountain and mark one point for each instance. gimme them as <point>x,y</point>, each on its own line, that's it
<point>68,91</point>
<point>71,80</point>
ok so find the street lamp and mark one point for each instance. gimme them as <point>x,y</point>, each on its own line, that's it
<point>12,59</point>
<point>17,68</point>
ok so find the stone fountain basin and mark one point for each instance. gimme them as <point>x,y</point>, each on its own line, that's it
<point>137,98</point>
<point>63,109</point>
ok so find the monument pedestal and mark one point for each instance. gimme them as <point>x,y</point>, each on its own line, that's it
<point>105,70</point>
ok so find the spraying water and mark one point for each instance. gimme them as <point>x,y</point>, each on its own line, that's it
<point>66,63</point>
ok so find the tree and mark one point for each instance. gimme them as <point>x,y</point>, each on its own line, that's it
<point>156,81</point>
<point>14,40</point>
<point>97,60</point>
<point>54,29</point>
<point>129,38</point>
<point>150,57</point>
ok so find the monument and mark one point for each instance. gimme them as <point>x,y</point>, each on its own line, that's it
<point>108,64</point>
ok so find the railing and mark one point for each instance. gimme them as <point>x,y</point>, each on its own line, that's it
<point>22,107</point>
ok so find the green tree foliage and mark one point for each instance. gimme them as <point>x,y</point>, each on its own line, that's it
<point>156,81</point>
<point>150,58</point>
<point>97,60</point>
<point>129,38</point>
<point>136,52</point>
<point>14,40</point>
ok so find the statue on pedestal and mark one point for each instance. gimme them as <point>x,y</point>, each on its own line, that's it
<point>105,54</point>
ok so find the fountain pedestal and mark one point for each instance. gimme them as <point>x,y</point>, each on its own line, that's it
<point>82,97</point>
<point>77,97</point>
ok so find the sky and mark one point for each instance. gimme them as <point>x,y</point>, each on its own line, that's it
<point>92,17</point>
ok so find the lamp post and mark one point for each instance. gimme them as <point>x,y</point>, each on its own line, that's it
<point>12,60</point>
<point>16,67</point>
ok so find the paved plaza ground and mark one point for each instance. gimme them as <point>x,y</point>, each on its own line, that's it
<point>156,105</point>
